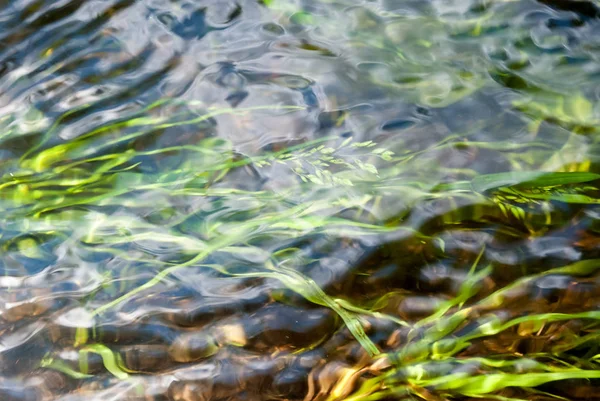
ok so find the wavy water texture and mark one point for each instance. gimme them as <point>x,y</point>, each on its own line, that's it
<point>314,200</point>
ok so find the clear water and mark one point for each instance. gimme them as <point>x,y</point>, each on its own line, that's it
<point>209,200</point>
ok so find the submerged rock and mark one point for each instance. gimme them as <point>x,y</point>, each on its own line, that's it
<point>192,346</point>
<point>279,325</point>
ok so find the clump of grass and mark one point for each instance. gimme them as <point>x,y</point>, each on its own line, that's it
<point>434,359</point>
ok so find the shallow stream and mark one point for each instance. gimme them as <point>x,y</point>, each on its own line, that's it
<point>317,200</point>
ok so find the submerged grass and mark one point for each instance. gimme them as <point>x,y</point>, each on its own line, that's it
<point>95,189</point>
<point>429,361</point>
<point>139,207</point>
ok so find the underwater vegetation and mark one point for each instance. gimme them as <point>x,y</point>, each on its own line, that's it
<point>429,230</point>
<point>197,221</point>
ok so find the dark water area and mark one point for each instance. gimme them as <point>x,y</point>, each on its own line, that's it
<point>312,200</point>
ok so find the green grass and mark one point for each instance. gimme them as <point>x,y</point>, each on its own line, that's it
<point>334,187</point>
<point>117,192</point>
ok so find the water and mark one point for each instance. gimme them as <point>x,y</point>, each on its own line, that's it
<point>299,200</point>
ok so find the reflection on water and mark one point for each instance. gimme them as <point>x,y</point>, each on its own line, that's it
<point>299,200</point>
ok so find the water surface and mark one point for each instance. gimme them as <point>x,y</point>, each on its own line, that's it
<point>299,200</point>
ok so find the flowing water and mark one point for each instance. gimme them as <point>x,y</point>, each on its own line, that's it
<point>299,200</point>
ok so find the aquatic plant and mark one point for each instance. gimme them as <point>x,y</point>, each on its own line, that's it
<point>435,358</point>
<point>185,203</point>
<point>143,207</point>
